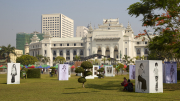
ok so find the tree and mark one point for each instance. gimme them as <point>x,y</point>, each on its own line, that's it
<point>7,50</point>
<point>109,59</point>
<point>45,60</point>
<point>26,60</point>
<point>166,45</point>
<point>39,57</point>
<point>100,72</point>
<point>119,66</point>
<point>96,61</point>
<point>142,57</point>
<point>127,59</point>
<point>84,69</point>
<point>77,58</point>
<point>60,59</point>
<point>104,59</point>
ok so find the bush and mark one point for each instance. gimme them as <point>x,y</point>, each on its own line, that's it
<point>53,71</point>
<point>34,73</point>
<point>127,68</point>
<point>178,74</point>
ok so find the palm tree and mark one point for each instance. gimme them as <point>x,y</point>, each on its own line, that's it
<point>7,50</point>
<point>109,59</point>
<point>96,61</point>
<point>142,58</point>
<point>104,59</point>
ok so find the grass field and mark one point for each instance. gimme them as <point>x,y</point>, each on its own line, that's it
<point>107,89</point>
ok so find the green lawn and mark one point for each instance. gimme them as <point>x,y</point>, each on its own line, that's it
<point>107,89</point>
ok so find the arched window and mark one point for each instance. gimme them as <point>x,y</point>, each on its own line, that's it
<point>74,53</point>
<point>138,51</point>
<point>81,52</point>
<point>146,51</point>
<point>54,52</point>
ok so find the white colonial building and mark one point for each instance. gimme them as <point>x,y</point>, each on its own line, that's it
<point>111,39</point>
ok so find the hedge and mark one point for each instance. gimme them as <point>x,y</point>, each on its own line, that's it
<point>34,73</point>
<point>178,74</point>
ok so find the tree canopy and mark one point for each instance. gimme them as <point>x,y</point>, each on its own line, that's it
<point>26,60</point>
<point>7,50</point>
<point>166,44</point>
<point>60,59</point>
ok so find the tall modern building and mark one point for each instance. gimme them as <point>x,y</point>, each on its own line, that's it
<point>81,31</point>
<point>58,25</point>
<point>24,38</point>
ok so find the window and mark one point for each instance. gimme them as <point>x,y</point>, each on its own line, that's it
<point>145,42</point>
<point>67,44</point>
<point>138,51</point>
<point>81,44</point>
<point>145,51</point>
<point>67,52</point>
<point>33,46</point>
<point>74,44</point>
<point>125,51</point>
<point>138,43</point>
<point>54,44</point>
<point>45,44</point>
<point>74,53</point>
<point>81,52</point>
<point>45,52</point>
<point>125,42</point>
<point>61,52</point>
<point>54,52</point>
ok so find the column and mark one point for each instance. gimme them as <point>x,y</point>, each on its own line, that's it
<point>95,51</point>
<point>111,52</point>
<point>57,52</point>
<point>64,53</point>
<point>71,54</point>
<point>103,50</point>
<point>78,52</point>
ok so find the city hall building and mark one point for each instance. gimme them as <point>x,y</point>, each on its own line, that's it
<point>110,39</point>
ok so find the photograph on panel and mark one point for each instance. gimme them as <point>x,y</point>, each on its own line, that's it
<point>141,84</point>
<point>172,74</point>
<point>64,73</point>
<point>13,73</point>
<point>95,70</point>
<point>156,76</point>
<point>133,72</point>
<point>109,70</point>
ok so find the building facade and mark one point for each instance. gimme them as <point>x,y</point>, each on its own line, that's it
<point>24,38</point>
<point>59,25</point>
<point>81,31</point>
<point>111,39</point>
<point>14,57</point>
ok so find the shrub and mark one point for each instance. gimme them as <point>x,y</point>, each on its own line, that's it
<point>101,70</point>
<point>127,68</point>
<point>178,74</point>
<point>53,70</point>
<point>34,73</point>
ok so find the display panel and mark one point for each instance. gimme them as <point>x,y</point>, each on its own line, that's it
<point>13,73</point>
<point>96,68</point>
<point>63,71</point>
<point>131,71</point>
<point>109,71</point>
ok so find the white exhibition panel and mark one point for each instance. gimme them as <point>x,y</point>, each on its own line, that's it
<point>149,76</point>
<point>114,71</point>
<point>63,72</point>
<point>69,71</point>
<point>132,71</point>
<point>170,72</point>
<point>13,73</point>
<point>90,76</point>
<point>96,68</point>
<point>109,71</point>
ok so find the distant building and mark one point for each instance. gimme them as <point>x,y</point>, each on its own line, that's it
<point>110,39</point>
<point>58,25</point>
<point>14,57</point>
<point>26,49</point>
<point>23,38</point>
<point>81,31</point>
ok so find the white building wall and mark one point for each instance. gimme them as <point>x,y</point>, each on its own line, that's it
<point>81,31</point>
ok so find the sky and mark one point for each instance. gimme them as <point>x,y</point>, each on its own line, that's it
<point>25,15</point>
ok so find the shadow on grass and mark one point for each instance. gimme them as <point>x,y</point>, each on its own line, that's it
<point>3,83</point>
<point>171,87</point>
<point>111,85</point>
<point>70,88</point>
<point>75,93</point>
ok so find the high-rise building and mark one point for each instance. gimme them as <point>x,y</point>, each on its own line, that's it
<point>24,38</point>
<point>81,31</point>
<point>58,25</point>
